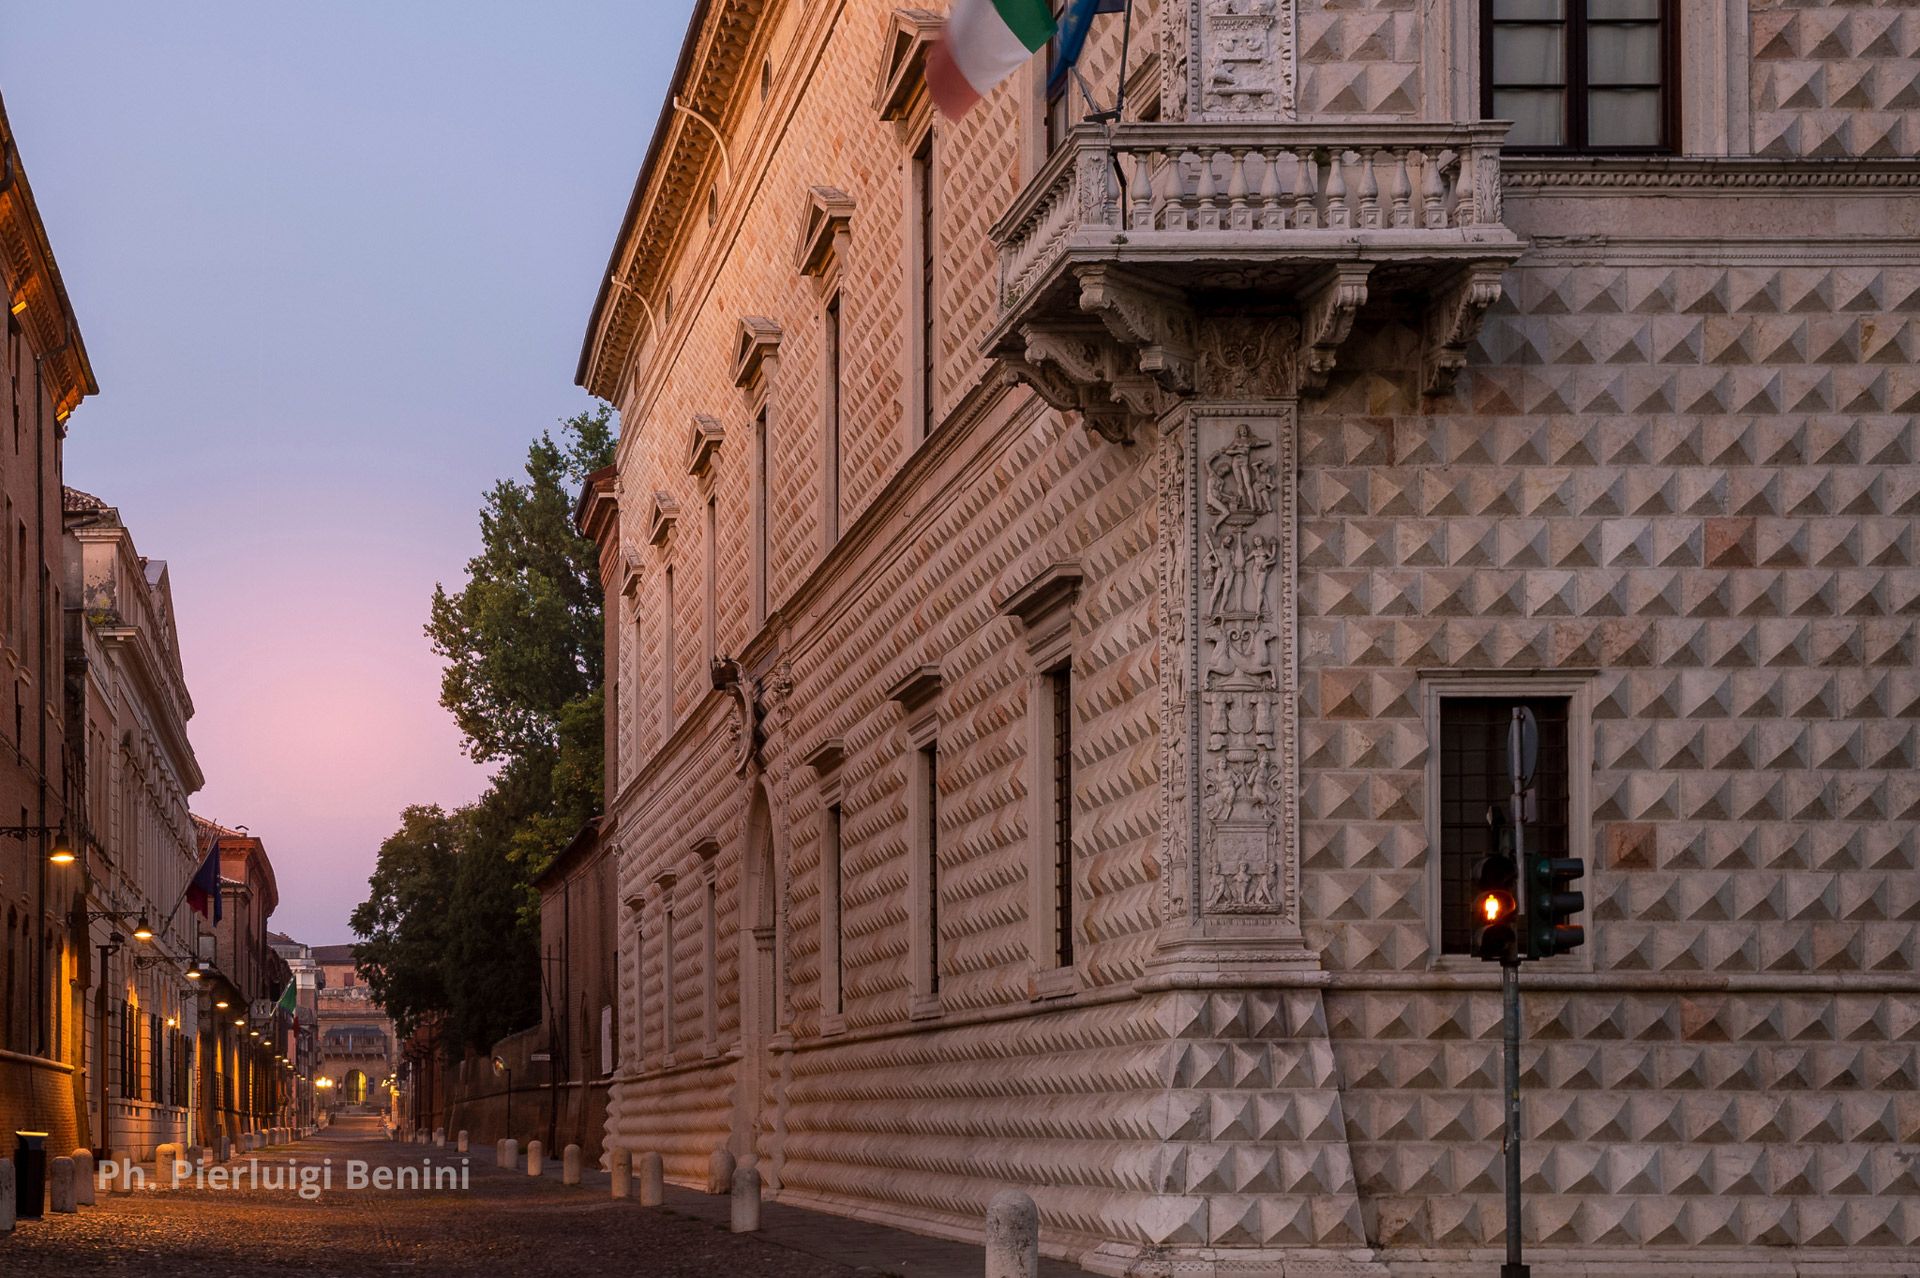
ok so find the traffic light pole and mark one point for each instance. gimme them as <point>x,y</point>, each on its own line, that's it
<point>1510,1006</point>
<point>1522,754</point>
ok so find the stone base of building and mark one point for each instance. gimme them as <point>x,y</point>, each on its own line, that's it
<point>36,1095</point>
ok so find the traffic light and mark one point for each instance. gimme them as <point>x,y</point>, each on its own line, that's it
<point>1552,904</point>
<point>1496,897</point>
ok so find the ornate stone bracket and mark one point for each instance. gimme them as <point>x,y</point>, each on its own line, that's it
<point>1124,365</point>
<point>1327,318</point>
<point>1453,320</point>
<point>756,703</point>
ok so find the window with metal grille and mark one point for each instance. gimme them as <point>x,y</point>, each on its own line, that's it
<point>761,486</point>
<point>831,488</point>
<point>923,175</point>
<point>1580,75</point>
<point>667,655</point>
<point>834,887</point>
<point>710,584</point>
<point>1060,697</point>
<point>1473,778</point>
<point>930,779</point>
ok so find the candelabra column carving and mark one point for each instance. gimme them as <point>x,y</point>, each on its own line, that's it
<point>1228,553</point>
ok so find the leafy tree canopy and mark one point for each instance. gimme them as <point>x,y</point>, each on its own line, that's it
<point>405,921</point>
<point>450,928</point>
<point>522,638</point>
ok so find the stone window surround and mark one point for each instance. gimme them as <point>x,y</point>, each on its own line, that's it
<point>1711,86</point>
<point>921,366</point>
<point>706,873</point>
<point>825,760</point>
<point>756,368</point>
<point>1044,609</point>
<point>1577,687</point>
<point>918,695</point>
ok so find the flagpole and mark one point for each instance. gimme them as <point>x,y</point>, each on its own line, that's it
<point>1115,115</point>
<point>213,849</point>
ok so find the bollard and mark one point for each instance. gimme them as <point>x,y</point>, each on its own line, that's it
<point>6,1195</point>
<point>500,1152</point>
<point>570,1165</point>
<point>461,1141</point>
<point>65,1198</point>
<point>162,1165</point>
<point>225,1147</point>
<point>536,1158</point>
<point>653,1180</point>
<point>83,1177</point>
<point>720,1172</point>
<point>1013,1236</point>
<point>746,1201</point>
<point>439,1138</point>
<point>510,1154</point>
<point>620,1164</point>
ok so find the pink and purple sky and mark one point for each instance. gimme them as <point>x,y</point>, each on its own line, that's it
<point>332,263</point>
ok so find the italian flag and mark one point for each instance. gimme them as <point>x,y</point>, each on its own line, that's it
<point>983,43</point>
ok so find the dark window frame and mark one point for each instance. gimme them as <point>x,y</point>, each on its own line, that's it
<point>1470,740</point>
<point>1575,23</point>
<point>1060,696</point>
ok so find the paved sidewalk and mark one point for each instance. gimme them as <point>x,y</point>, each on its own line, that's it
<point>501,1224</point>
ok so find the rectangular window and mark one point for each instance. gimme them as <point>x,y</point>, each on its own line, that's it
<point>710,572</point>
<point>1060,698</point>
<point>639,666</point>
<point>925,251</point>
<point>930,804</point>
<point>709,964</point>
<point>1474,778</point>
<point>668,989</point>
<point>832,903</point>
<point>761,548</point>
<point>1579,75</point>
<point>830,497</point>
<point>666,654</point>
<point>639,990</point>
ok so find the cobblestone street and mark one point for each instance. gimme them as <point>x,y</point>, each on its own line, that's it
<point>502,1224</point>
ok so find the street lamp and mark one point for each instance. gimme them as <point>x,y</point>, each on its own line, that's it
<point>500,1067</point>
<point>142,930</point>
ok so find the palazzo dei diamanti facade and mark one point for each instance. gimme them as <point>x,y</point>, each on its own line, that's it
<point>1065,580</point>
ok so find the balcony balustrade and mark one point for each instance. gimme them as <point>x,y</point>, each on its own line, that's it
<point>1131,236</point>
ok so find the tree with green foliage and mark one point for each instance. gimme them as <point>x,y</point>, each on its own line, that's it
<point>522,638</point>
<point>405,922</point>
<point>522,643</point>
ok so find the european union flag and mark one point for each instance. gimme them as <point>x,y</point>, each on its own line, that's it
<point>1073,37</point>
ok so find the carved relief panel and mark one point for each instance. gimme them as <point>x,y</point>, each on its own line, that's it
<point>1229,687</point>
<point>1229,60</point>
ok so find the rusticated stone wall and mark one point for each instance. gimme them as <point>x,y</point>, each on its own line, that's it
<point>1682,476</point>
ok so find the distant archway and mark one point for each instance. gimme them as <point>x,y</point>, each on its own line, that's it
<point>353,1088</point>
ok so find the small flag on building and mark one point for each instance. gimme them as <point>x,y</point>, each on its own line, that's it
<point>1073,38</point>
<point>983,43</point>
<point>203,893</point>
<point>287,998</point>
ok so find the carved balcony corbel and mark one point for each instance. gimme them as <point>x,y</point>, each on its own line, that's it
<point>1153,319</point>
<point>1327,318</point>
<point>1453,320</point>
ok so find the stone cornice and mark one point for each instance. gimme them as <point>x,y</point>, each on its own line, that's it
<point>1737,175</point>
<point>713,62</point>
<point>32,275</point>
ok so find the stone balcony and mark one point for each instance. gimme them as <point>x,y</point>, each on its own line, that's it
<point>1131,238</point>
